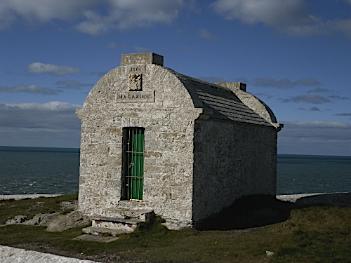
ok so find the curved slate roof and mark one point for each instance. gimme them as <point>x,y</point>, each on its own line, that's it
<point>220,100</point>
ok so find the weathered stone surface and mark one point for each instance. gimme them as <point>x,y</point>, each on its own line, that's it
<point>239,160</point>
<point>233,85</point>
<point>204,147</point>
<point>110,228</point>
<point>143,58</point>
<point>68,221</point>
<point>107,231</point>
<point>41,219</point>
<point>19,219</point>
<point>17,255</point>
<point>37,220</point>
<point>269,253</point>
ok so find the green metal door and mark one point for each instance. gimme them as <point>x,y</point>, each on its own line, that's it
<point>137,165</point>
<point>133,163</point>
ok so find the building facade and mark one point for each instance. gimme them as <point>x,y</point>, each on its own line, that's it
<point>154,139</point>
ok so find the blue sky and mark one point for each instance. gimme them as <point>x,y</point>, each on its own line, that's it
<point>293,54</point>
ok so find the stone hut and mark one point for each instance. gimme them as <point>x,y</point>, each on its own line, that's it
<point>153,139</point>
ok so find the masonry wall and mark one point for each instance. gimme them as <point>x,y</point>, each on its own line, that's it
<point>231,159</point>
<point>168,120</point>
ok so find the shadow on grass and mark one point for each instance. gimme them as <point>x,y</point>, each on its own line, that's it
<point>261,210</point>
<point>248,212</point>
<point>332,199</point>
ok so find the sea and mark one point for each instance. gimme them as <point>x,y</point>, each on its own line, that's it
<point>29,170</point>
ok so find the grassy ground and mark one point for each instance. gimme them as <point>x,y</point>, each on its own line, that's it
<point>31,207</point>
<point>311,234</point>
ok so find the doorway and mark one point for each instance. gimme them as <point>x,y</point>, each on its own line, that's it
<point>133,163</point>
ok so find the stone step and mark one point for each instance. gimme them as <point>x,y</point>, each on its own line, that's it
<point>102,231</point>
<point>133,205</point>
<point>115,226</point>
<point>128,221</point>
<point>143,216</point>
<point>133,213</point>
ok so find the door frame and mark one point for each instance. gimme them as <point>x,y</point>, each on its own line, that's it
<point>133,144</point>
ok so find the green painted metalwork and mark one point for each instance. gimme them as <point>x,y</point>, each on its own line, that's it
<point>137,167</point>
<point>133,162</point>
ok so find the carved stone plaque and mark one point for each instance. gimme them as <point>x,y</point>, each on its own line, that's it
<point>135,96</point>
<point>135,82</point>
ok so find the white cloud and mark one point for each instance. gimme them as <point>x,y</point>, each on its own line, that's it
<point>258,11</point>
<point>42,10</point>
<point>52,123</point>
<point>291,16</point>
<point>319,124</point>
<point>6,16</point>
<point>91,16</point>
<point>94,24</point>
<point>314,98</point>
<point>315,137</point>
<point>72,84</point>
<point>38,67</point>
<point>308,98</point>
<point>48,106</point>
<point>135,12</point>
<point>130,13</point>
<point>340,25</point>
<point>32,89</point>
<point>285,83</point>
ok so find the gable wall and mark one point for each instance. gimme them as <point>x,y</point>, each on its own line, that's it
<point>231,160</point>
<point>169,126</point>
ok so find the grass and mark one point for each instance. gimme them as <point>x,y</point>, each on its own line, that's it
<point>311,234</point>
<point>31,207</point>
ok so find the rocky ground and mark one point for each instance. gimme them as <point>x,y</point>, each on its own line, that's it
<point>64,221</point>
<point>55,222</point>
<point>16,255</point>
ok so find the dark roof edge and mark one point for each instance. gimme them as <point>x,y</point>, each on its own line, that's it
<point>272,121</point>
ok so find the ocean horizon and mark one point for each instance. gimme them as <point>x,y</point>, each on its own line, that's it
<point>74,149</point>
<point>51,170</point>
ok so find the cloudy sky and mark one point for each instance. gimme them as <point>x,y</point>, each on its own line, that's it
<point>294,54</point>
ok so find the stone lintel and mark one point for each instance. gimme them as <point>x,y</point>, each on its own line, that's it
<point>141,58</point>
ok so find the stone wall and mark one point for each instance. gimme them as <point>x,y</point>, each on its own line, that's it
<point>165,110</point>
<point>231,159</point>
<point>196,161</point>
